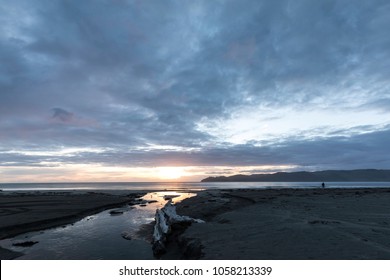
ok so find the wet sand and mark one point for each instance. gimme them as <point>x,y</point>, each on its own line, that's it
<point>22,212</point>
<point>281,224</point>
<point>286,224</point>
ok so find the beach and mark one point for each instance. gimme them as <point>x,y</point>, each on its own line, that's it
<point>287,224</point>
<point>22,212</point>
<point>282,224</point>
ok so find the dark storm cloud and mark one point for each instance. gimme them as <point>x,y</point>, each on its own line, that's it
<point>136,73</point>
<point>62,115</point>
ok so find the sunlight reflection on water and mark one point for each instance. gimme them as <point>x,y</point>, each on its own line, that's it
<point>98,236</point>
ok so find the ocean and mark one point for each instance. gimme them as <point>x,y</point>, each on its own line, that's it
<point>181,186</point>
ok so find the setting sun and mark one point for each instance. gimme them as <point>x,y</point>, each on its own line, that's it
<point>170,172</point>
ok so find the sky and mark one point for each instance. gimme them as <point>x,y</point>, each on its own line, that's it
<point>179,90</point>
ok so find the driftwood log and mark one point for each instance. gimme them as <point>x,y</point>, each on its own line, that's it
<point>166,218</point>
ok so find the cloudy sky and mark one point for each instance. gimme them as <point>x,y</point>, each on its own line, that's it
<point>117,90</point>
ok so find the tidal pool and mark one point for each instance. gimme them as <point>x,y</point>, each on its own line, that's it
<point>98,236</point>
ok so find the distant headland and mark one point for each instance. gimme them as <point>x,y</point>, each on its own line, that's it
<point>359,175</point>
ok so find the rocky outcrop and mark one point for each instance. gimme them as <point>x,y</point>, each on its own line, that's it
<point>166,220</point>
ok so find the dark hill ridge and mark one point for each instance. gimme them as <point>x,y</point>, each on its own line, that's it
<point>360,175</point>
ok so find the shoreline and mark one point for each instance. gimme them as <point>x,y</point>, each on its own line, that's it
<point>23,212</point>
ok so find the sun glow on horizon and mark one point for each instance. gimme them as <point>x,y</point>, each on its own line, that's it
<point>53,172</point>
<point>166,173</point>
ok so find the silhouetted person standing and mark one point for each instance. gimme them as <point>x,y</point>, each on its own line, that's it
<point>323,185</point>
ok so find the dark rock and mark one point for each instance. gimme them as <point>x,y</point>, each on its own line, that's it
<point>158,249</point>
<point>152,201</point>
<point>116,212</point>
<point>25,243</point>
<point>126,235</point>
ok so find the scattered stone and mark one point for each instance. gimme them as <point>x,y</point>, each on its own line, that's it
<point>126,235</point>
<point>25,243</point>
<point>170,197</point>
<point>152,201</point>
<point>116,212</point>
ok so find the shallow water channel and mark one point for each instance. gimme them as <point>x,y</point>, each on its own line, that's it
<point>97,236</point>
